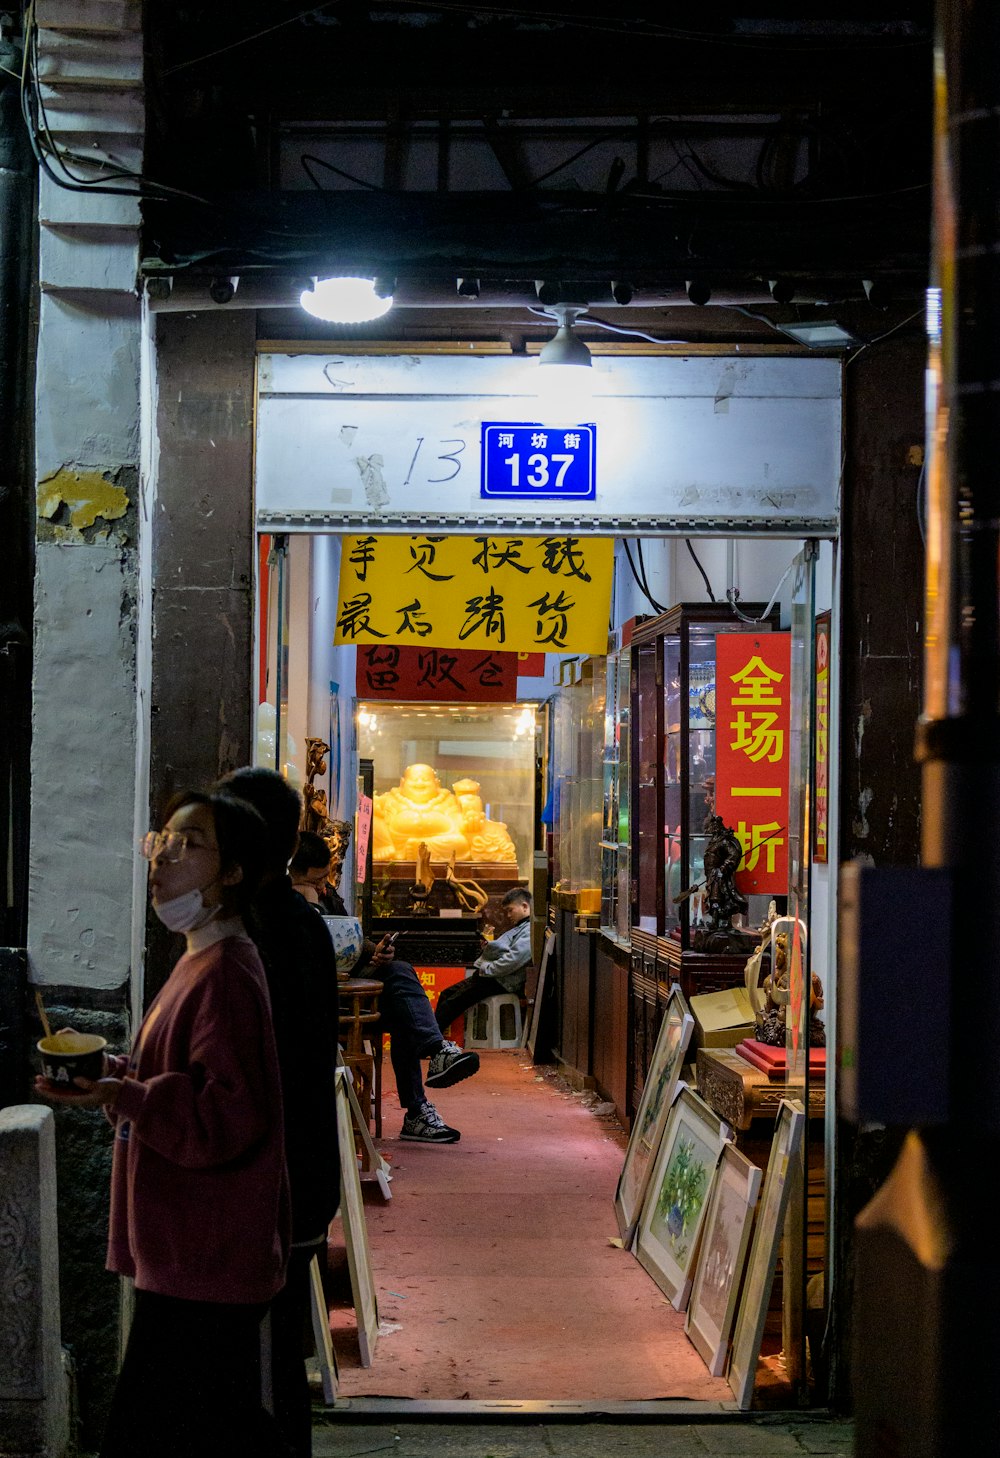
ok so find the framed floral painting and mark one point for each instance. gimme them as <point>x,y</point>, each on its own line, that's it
<point>721,1257</point>
<point>651,1115</point>
<point>678,1193</point>
<point>756,1294</point>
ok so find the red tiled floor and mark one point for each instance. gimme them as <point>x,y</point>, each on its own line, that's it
<point>493,1264</point>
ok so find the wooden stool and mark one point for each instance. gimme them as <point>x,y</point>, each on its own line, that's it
<point>358,1007</point>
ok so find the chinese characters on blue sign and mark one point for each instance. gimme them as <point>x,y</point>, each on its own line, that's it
<point>544,462</point>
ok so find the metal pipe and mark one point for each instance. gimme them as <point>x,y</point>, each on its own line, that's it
<point>958,741</point>
<point>16,504</point>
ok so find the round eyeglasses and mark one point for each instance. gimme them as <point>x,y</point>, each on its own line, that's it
<point>164,845</point>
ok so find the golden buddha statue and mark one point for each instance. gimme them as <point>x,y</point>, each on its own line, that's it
<point>489,840</point>
<point>418,809</point>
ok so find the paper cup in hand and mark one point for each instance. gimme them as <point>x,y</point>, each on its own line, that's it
<point>66,1056</point>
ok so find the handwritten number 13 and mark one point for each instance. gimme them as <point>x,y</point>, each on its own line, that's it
<point>442,456</point>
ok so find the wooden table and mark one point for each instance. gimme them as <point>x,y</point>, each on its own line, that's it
<point>740,1093</point>
<point>358,1007</point>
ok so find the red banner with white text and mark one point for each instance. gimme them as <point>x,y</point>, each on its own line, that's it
<point>752,753</point>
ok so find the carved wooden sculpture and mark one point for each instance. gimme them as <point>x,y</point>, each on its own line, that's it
<point>469,894</point>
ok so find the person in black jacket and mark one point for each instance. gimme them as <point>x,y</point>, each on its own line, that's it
<point>309,869</point>
<point>301,972</point>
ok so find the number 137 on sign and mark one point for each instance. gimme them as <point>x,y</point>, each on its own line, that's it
<point>539,461</point>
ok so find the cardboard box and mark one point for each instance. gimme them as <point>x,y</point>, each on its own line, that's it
<point>722,1019</point>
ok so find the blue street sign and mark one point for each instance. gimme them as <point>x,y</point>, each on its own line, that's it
<point>540,462</point>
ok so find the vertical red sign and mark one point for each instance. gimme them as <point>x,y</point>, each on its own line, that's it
<point>752,753</point>
<point>821,819</point>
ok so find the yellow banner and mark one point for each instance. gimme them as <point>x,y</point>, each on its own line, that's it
<point>518,594</point>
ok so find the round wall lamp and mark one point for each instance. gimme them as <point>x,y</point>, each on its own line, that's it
<point>346,300</point>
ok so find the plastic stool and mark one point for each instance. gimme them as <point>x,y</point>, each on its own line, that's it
<point>495,1023</point>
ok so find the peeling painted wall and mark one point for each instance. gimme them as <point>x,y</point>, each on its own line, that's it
<point>83,724</point>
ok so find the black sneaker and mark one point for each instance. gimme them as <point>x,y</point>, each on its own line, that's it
<point>450,1064</point>
<point>428,1127</point>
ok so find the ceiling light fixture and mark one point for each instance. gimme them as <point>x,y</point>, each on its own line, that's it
<point>697,291</point>
<point>819,334</point>
<point>564,372</point>
<point>347,300</point>
<point>564,348</point>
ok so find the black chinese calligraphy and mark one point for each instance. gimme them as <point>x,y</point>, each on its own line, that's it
<point>552,622</point>
<point>484,612</point>
<point>355,617</point>
<point>412,619</point>
<point>381,667</point>
<point>497,552</point>
<point>563,557</point>
<point>362,555</point>
<point>423,550</point>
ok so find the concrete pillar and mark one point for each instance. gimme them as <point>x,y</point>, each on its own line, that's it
<point>84,709</point>
<point>34,1396</point>
<point>203,689</point>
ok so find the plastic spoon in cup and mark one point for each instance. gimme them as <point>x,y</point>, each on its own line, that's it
<point>42,1013</point>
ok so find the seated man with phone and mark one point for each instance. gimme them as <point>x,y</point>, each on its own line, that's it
<point>502,965</point>
<point>406,1015</point>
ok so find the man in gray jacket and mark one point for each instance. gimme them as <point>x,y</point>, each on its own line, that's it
<point>502,966</point>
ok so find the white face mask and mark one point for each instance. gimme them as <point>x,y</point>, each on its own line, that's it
<point>185,913</point>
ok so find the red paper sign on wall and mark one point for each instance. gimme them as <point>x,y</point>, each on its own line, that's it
<point>394,671</point>
<point>822,815</point>
<point>752,753</point>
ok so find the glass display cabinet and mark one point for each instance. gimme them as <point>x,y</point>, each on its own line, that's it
<point>577,779</point>
<point>616,851</point>
<point>673,776</point>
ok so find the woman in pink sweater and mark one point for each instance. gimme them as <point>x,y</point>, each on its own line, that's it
<point>199,1195</point>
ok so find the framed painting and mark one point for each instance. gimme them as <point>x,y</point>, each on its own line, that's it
<point>785,1145</point>
<point>678,1194</point>
<point>352,1217</point>
<point>721,1255</point>
<point>651,1115</point>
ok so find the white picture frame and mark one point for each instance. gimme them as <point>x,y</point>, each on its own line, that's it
<point>788,1131</point>
<point>678,1193</point>
<point>652,1114</point>
<point>352,1216</point>
<point>532,1024</point>
<point>721,1257</point>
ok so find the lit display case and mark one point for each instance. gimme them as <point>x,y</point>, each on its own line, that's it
<point>673,769</point>
<point>578,785</point>
<point>616,850</point>
<point>460,778</point>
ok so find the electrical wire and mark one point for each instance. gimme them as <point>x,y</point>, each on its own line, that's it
<point>638,581</point>
<point>879,337</point>
<point>247,39</point>
<point>308,157</point>
<point>697,563</point>
<point>47,151</point>
<point>733,594</point>
<point>642,567</point>
<point>601,324</point>
<point>642,29</point>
